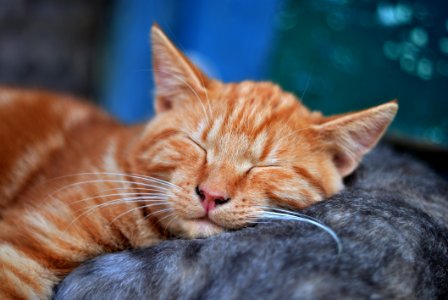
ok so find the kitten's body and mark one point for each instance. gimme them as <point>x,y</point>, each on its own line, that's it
<point>47,138</point>
<point>215,157</point>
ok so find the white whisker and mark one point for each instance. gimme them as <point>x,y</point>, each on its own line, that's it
<point>207,99</point>
<point>282,214</point>
<point>146,195</point>
<point>136,208</point>
<point>290,212</point>
<point>170,215</point>
<point>125,200</point>
<point>131,189</point>
<point>158,211</point>
<point>291,134</point>
<point>167,216</point>
<point>103,181</point>
<point>168,225</point>
<point>192,90</point>
<point>302,98</point>
<point>114,202</point>
<point>120,201</point>
<point>145,178</point>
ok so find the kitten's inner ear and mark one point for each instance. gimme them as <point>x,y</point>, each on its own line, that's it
<point>176,77</point>
<point>350,136</point>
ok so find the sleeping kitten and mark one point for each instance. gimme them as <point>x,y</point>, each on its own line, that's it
<point>74,183</point>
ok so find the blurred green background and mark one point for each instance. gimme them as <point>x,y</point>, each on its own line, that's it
<point>342,55</point>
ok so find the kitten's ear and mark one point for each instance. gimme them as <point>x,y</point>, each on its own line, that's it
<point>176,77</point>
<point>352,135</point>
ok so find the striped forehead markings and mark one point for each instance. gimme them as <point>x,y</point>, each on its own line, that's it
<point>239,117</point>
<point>215,129</point>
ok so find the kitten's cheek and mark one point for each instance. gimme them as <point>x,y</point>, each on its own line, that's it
<point>186,209</point>
<point>186,178</point>
<point>184,199</point>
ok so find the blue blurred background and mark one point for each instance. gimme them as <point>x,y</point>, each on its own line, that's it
<point>337,55</point>
<point>230,40</point>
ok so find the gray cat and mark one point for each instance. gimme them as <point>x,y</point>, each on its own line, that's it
<point>392,222</point>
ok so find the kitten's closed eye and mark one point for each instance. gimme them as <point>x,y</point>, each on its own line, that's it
<point>197,144</point>
<point>261,167</point>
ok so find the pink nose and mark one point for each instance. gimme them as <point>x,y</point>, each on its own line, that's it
<point>210,198</point>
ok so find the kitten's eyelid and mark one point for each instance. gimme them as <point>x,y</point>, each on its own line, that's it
<point>262,166</point>
<point>197,144</point>
<point>266,166</point>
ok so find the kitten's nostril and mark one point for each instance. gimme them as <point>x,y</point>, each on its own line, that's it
<point>211,198</point>
<point>221,201</point>
<point>200,193</point>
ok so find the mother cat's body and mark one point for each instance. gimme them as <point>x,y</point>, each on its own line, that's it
<point>392,220</point>
<point>215,157</point>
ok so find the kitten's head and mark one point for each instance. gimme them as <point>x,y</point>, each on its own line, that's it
<point>229,150</point>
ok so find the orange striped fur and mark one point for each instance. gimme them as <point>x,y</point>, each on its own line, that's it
<point>74,183</point>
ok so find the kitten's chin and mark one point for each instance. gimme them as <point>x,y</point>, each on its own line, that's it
<point>200,228</point>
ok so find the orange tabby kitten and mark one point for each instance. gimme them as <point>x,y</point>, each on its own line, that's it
<point>74,183</point>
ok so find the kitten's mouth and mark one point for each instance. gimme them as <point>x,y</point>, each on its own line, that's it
<point>203,227</point>
<point>206,220</point>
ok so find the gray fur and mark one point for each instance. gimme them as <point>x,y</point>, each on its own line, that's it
<point>392,220</point>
